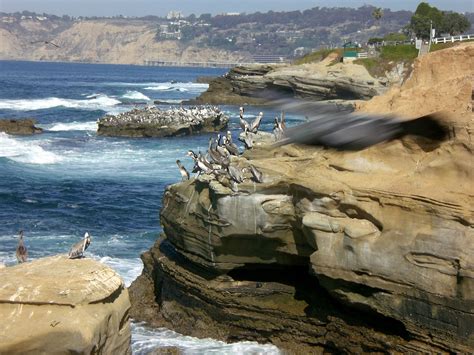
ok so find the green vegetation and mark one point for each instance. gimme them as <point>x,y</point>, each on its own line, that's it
<point>443,22</point>
<point>405,52</point>
<point>317,56</point>
<point>438,46</point>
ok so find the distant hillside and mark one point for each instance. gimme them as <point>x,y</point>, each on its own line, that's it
<point>223,38</point>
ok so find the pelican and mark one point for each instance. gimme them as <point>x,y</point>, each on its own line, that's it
<point>184,173</point>
<point>21,251</point>
<point>77,250</point>
<point>256,123</point>
<point>257,175</point>
<point>243,123</point>
<point>231,147</point>
<point>235,174</point>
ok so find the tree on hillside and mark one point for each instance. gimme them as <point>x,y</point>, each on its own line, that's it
<point>426,16</point>
<point>454,23</point>
<point>377,14</point>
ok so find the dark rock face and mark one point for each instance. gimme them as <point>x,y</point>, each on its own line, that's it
<point>21,127</point>
<point>253,84</point>
<point>153,122</point>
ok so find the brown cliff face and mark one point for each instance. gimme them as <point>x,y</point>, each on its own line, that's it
<point>352,251</point>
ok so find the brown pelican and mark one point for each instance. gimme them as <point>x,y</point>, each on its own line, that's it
<point>257,175</point>
<point>243,123</point>
<point>247,141</point>
<point>231,147</point>
<point>235,173</point>
<point>184,173</point>
<point>256,123</point>
<point>77,250</point>
<point>21,251</point>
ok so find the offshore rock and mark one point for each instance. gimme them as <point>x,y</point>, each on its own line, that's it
<point>255,84</point>
<point>153,122</point>
<point>58,305</point>
<point>361,251</point>
<point>24,126</point>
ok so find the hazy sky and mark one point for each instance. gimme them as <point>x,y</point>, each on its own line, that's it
<point>161,7</point>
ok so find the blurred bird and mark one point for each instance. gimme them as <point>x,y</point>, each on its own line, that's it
<point>244,125</point>
<point>256,123</point>
<point>343,130</point>
<point>77,250</point>
<point>182,170</point>
<point>21,251</point>
<point>46,42</point>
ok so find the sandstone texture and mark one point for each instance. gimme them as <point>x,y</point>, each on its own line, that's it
<point>21,127</point>
<point>56,305</point>
<point>154,122</point>
<point>365,251</point>
<point>255,84</point>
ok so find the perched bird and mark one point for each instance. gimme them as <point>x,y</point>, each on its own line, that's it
<point>184,173</point>
<point>77,250</point>
<point>248,142</point>
<point>243,123</point>
<point>257,175</point>
<point>21,251</point>
<point>235,174</point>
<point>231,147</point>
<point>256,123</point>
<point>354,131</point>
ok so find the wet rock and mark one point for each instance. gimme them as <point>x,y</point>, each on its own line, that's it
<point>59,305</point>
<point>24,126</point>
<point>153,122</point>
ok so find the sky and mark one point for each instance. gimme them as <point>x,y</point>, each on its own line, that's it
<point>162,7</point>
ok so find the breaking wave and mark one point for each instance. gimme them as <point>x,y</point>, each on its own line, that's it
<point>99,102</point>
<point>135,95</point>
<point>72,126</point>
<point>29,152</point>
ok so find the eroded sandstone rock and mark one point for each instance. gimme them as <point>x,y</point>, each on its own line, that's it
<point>58,305</point>
<point>335,251</point>
<point>24,126</point>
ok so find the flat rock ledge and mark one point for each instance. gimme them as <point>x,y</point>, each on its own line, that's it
<point>24,126</point>
<point>154,122</point>
<point>55,305</point>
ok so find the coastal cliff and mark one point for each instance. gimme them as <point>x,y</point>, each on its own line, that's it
<point>58,305</point>
<point>335,251</point>
<point>325,80</point>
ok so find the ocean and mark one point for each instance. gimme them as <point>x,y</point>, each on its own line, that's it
<point>59,184</point>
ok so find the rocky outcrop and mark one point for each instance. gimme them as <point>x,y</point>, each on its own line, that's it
<point>58,305</point>
<point>254,84</point>
<point>153,122</point>
<point>335,251</point>
<point>21,127</point>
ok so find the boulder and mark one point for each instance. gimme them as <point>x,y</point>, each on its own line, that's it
<point>153,122</point>
<point>25,126</point>
<point>58,305</point>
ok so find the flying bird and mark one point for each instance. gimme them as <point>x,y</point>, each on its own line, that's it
<point>21,251</point>
<point>46,42</point>
<point>343,130</point>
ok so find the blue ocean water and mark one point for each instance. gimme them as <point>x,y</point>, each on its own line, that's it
<point>66,181</point>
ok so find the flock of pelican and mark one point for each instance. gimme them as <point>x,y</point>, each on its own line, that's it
<point>76,251</point>
<point>217,161</point>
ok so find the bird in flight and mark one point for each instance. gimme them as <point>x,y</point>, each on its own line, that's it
<point>46,42</point>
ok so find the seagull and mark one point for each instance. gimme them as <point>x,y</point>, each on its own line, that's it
<point>21,251</point>
<point>77,250</point>
<point>46,42</point>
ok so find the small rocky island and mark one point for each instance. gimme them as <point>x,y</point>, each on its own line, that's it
<point>25,126</point>
<point>154,122</point>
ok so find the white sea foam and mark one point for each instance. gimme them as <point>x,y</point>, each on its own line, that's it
<point>181,87</point>
<point>22,151</point>
<point>159,88</point>
<point>72,126</point>
<point>93,103</point>
<point>145,340</point>
<point>135,95</point>
<point>128,269</point>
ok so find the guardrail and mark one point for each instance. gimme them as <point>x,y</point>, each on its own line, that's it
<point>453,39</point>
<point>362,55</point>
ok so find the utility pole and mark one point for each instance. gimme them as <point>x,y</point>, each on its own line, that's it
<point>431,35</point>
